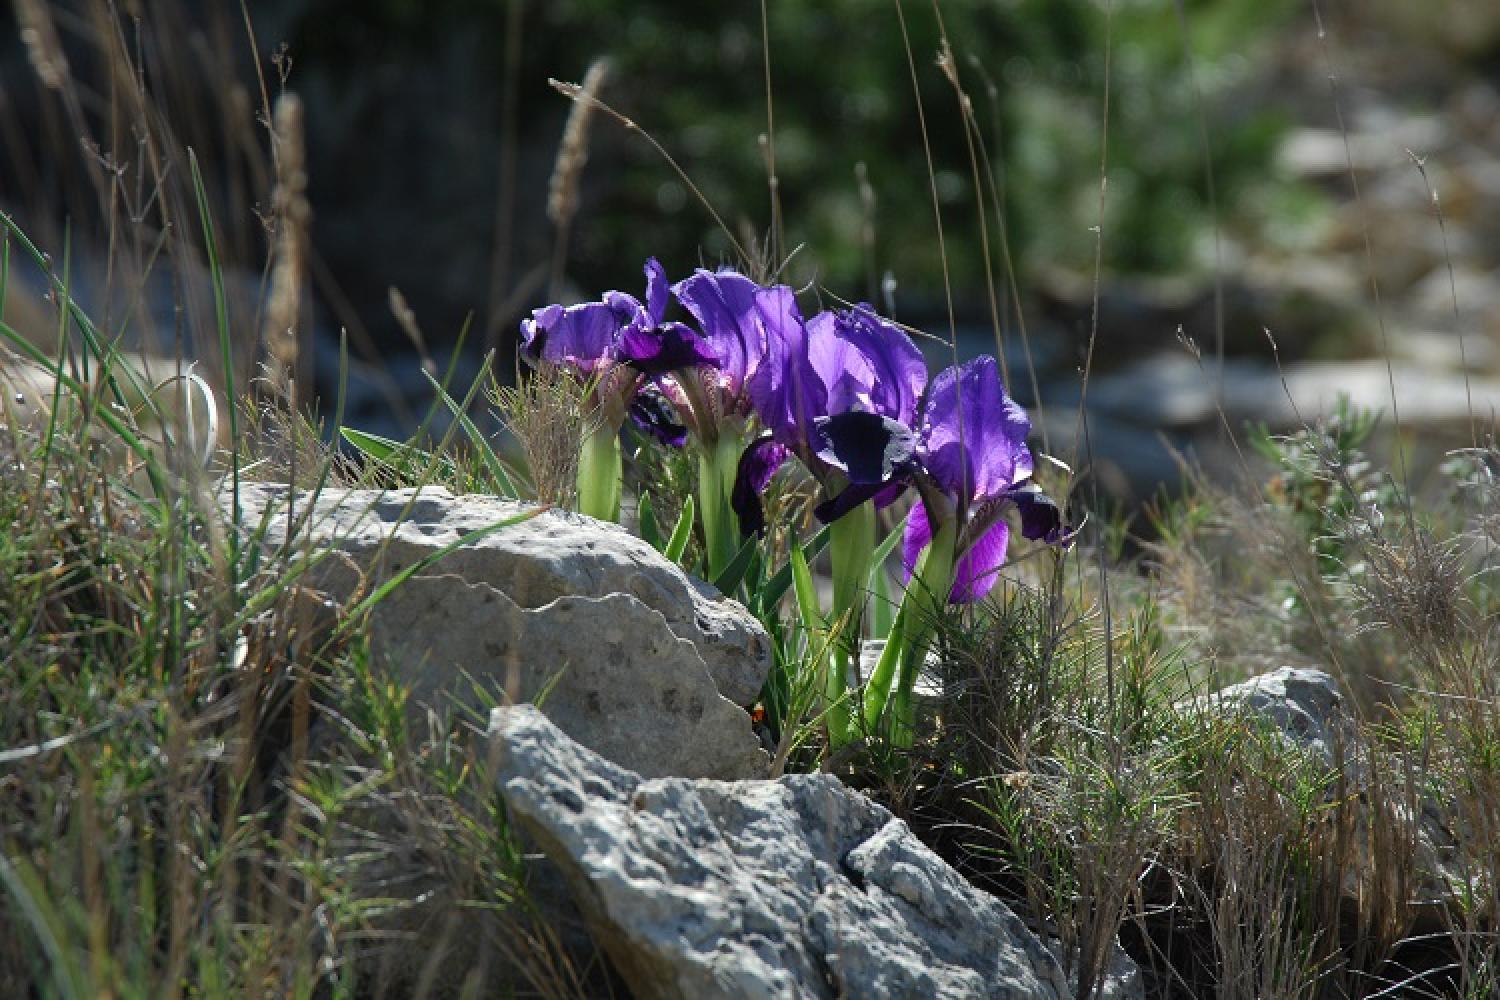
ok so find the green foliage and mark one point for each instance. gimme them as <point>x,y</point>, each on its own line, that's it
<point>694,77</point>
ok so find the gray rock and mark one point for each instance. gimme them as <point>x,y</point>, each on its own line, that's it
<point>792,888</point>
<point>629,654</point>
<point>553,555</point>
<point>1303,704</point>
<point>608,670</point>
<point>1306,707</point>
<point>1122,979</point>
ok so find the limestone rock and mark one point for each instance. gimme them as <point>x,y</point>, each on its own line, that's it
<point>1303,704</point>
<point>608,670</point>
<point>553,555</point>
<point>791,888</point>
<point>1306,707</point>
<point>632,657</point>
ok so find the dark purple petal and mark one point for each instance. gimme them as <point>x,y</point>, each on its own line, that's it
<point>657,291</point>
<point>652,414</point>
<point>724,304</point>
<point>973,434</point>
<point>757,465</point>
<point>855,494</point>
<point>665,348</point>
<point>868,447</point>
<point>890,494</point>
<point>898,372</point>
<point>1040,517</point>
<point>581,337</point>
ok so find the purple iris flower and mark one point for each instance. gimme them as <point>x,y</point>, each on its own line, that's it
<point>619,329</point>
<point>739,319</point>
<point>653,414</point>
<point>849,362</point>
<point>626,343</point>
<point>966,453</point>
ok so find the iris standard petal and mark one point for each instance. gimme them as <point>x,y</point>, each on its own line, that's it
<point>658,291</point>
<point>758,464</point>
<point>898,372</point>
<point>653,415</point>
<point>840,366</point>
<point>973,434</point>
<point>785,389</point>
<point>724,304</point>
<point>582,337</point>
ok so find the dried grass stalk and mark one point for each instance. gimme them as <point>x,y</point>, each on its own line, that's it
<point>289,268</point>
<point>573,153</point>
<point>550,414</point>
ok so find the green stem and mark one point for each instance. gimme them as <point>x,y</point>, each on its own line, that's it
<point>599,475</point>
<point>906,649</point>
<point>852,543</point>
<point>717,465</point>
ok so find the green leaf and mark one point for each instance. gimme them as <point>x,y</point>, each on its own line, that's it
<point>677,544</point>
<point>492,462</point>
<point>807,594</point>
<point>646,516</point>
<point>885,548</point>
<point>882,609</point>
<point>729,580</point>
<point>397,455</point>
<point>878,684</point>
<point>776,587</point>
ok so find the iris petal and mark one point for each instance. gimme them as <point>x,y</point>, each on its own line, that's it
<point>898,372</point>
<point>786,390</point>
<point>974,435</point>
<point>757,465</point>
<point>1040,517</point>
<point>666,348</point>
<point>657,291</point>
<point>977,568</point>
<point>581,337</point>
<point>855,494</point>
<point>868,447</point>
<point>915,538</point>
<point>652,414</point>
<point>725,305</point>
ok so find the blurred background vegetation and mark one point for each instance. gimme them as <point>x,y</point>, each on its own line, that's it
<point>432,134</point>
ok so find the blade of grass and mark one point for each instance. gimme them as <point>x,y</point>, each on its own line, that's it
<point>734,574</point>
<point>492,462</point>
<point>677,544</point>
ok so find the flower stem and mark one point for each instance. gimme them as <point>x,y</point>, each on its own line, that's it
<point>852,544</point>
<point>911,634</point>
<point>717,465</point>
<point>599,474</point>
